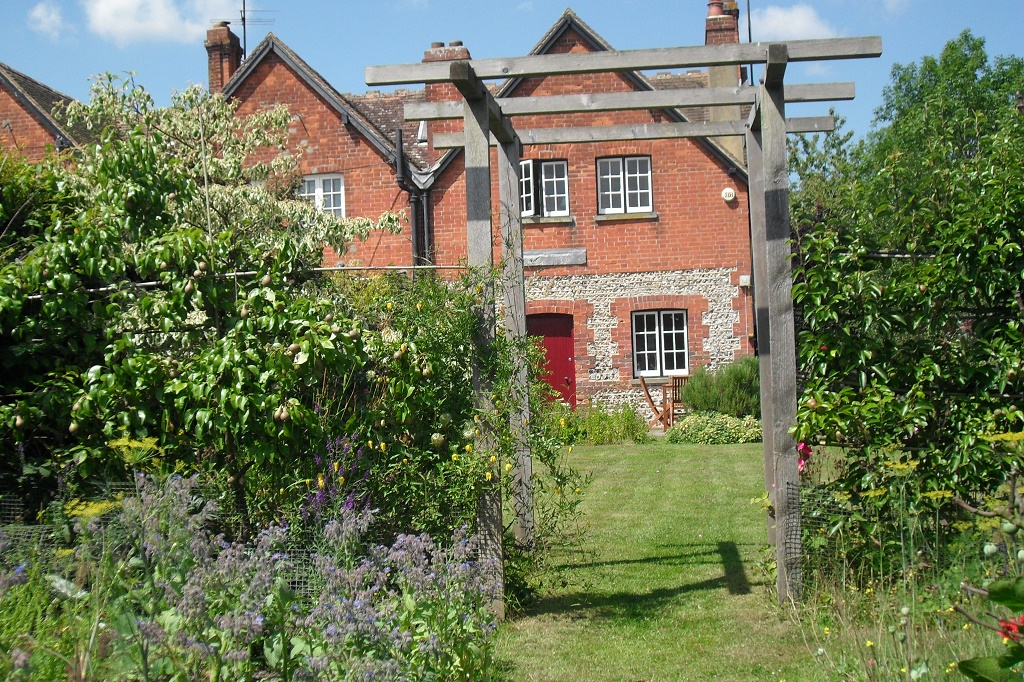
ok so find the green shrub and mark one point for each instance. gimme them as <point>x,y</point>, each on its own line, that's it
<point>734,389</point>
<point>713,428</point>
<point>596,424</point>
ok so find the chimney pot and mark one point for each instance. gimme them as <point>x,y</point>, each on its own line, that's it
<point>715,8</point>
<point>455,43</point>
<point>435,45</point>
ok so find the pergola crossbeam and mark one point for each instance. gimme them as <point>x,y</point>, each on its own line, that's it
<point>627,101</point>
<point>628,60</point>
<point>643,131</point>
<point>473,90</point>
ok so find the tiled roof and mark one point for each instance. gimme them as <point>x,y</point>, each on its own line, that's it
<point>667,80</point>
<point>41,100</point>
<point>387,112</point>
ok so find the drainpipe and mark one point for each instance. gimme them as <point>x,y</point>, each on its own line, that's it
<point>428,229</point>
<point>419,252</point>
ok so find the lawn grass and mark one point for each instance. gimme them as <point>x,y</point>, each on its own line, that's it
<point>668,588</point>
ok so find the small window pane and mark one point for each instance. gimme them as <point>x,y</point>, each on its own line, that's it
<point>526,191</point>
<point>638,184</point>
<point>555,182</point>
<point>609,183</point>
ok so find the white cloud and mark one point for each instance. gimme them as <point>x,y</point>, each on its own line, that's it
<point>133,21</point>
<point>46,19</point>
<point>797,22</point>
<point>896,6</point>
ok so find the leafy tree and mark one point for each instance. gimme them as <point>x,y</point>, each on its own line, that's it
<point>909,269</point>
<point>165,296</point>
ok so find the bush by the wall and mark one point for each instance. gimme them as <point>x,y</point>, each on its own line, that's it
<point>595,424</point>
<point>734,389</point>
<point>713,428</point>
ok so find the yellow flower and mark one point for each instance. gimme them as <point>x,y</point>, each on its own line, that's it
<point>336,467</point>
<point>469,447</point>
<point>561,422</point>
<point>494,458</point>
<point>828,631</point>
<point>341,480</point>
<point>419,307</point>
<point>489,476</point>
<point>390,305</point>
<point>369,444</point>
<point>508,467</point>
<point>280,491</point>
<point>577,491</point>
<point>570,449</point>
<point>455,458</point>
<point>320,481</point>
<point>903,670</point>
<point>383,447</point>
<point>868,591</point>
<point>405,460</point>
<point>869,643</point>
<point>967,626</point>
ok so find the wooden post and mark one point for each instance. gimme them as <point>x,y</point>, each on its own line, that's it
<point>781,336</point>
<point>514,289</point>
<point>758,248</point>
<point>481,255</point>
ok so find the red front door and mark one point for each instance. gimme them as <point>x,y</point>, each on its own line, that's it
<point>555,332</point>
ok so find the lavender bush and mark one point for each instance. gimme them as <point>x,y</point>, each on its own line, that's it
<point>162,597</point>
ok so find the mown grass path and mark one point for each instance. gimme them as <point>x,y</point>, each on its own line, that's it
<point>669,588</point>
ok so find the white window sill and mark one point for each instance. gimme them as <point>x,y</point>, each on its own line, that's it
<point>616,217</point>
<point>549,220</point>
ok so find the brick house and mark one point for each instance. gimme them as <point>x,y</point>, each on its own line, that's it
<point>27,124</point>
<point>637,253</point>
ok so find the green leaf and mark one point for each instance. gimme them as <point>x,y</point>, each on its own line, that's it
<point>986,670</point>
<point>1009,592</point>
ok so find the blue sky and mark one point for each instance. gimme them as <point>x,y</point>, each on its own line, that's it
<point>64,42</point>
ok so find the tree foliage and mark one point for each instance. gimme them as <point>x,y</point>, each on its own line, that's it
<point>909,273</point>
<point>125,313</point>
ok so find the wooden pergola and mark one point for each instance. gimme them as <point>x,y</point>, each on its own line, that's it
<point>487,124</point>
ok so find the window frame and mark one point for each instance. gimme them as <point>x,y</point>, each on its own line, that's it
<point>538,189</point>
<point>317,196</point>
<point>615,195</point>
<point>664,336</point>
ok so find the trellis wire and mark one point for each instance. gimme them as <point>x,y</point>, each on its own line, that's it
<point>252,273</point>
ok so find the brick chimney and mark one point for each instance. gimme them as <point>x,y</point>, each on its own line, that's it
<point>722,28</point>
<point>443,92</point>
<point>224,52</point>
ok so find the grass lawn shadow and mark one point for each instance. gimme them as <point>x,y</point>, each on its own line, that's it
<point>641,604</point>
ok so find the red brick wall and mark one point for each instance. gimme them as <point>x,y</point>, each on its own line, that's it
<point>26,134</point>
<point>694,229</point>
<point>332,147</point>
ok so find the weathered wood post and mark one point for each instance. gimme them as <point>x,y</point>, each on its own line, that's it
<point>780,396</point>
<point>514,290</point>
<point>481,255</point>
<point>758,247</point>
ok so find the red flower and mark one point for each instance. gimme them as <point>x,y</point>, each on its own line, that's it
<point>1011,628</point>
